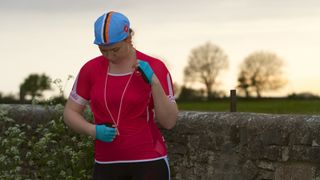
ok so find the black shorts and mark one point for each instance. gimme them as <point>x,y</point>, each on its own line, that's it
<point>150,170</point>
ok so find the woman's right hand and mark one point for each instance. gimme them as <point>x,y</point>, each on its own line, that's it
<point>105,133</point>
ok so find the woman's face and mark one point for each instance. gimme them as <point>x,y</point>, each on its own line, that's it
<point>115,52</point>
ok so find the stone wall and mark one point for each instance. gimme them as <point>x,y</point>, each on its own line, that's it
<point>245,146</point>
<point>229,146</point>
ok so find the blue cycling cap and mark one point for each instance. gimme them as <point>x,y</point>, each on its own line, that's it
<point>111,28</point>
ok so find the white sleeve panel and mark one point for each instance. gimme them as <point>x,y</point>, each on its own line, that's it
<point>170,88</point>
<point>75,96</point>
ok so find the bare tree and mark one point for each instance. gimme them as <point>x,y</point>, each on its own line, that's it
<point>261,71</point>
<point>204,65</point>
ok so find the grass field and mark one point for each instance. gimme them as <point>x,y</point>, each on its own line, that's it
<point>268,105</point>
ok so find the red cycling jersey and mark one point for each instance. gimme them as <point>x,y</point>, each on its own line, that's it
<point>140,138</point>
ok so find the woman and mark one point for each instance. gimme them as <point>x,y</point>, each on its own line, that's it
<point>126,90</point>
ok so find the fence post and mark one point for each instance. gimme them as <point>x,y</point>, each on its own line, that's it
<point>233,100</point>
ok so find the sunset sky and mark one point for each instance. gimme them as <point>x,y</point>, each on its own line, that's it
<point>56,37</point>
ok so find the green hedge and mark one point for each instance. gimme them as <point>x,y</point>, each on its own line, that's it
<point>48,151</point>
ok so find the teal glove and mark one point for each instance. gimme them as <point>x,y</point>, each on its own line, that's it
<point>105,133</point>
<point>145,70</point>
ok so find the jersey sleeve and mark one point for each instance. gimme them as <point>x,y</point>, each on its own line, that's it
<point>165,79</point>
<point>80,92</point>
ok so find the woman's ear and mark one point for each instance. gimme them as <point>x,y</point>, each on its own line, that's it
<point>129,39</point>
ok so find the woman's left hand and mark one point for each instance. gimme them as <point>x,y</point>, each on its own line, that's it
<point>146,70</point>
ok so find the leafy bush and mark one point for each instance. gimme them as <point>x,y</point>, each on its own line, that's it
<point>48,151</point>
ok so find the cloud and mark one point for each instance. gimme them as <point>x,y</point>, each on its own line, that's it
<point>54,6</point>
<point>177,10</point>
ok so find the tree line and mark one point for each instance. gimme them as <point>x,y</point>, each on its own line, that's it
<point>32,89</point>
<point>259,72</point>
